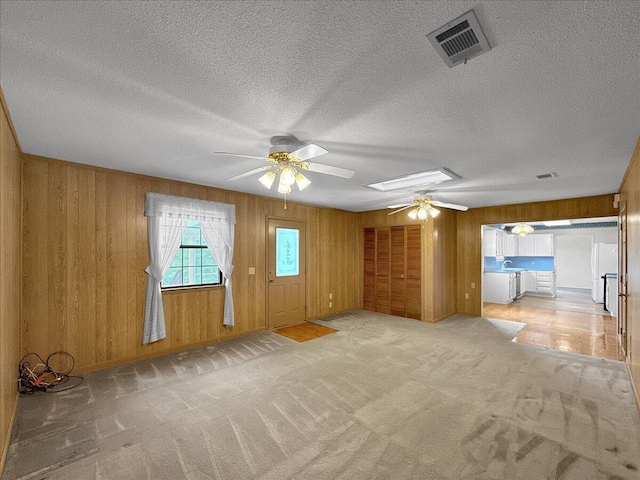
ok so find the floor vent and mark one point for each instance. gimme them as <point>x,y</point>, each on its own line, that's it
<point>459,40</point>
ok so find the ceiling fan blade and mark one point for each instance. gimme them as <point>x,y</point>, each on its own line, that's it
<point>309,151</point>
<point>246,174</point>
<point>449,205</point>
<point>400,205</point>
<point>329,170</point>
<point>238,155</point>
<point>401,209</point>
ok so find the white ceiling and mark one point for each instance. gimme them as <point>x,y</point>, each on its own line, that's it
<point>157,87</point>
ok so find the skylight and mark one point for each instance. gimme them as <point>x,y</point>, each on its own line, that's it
<point>415,180</point>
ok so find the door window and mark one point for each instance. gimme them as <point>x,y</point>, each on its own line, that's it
<point>287,252</point>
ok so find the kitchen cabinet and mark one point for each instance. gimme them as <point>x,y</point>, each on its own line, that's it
<point>543,245</point>
<point>494,242</point>
<point>511,245</point>
<point>499,287</point>
<point>525,246</point>
<point>538,245</point>
<point>539,283</point>
<point>392,270</point>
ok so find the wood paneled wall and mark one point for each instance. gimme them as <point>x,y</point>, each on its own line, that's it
<point>438,258</point>
<point>85,251</point>
<point>630,193</point>
<point>10,248</point>
<point>469,227</point>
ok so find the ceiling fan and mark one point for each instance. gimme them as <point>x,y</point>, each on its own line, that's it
<point>286,160</point>
<point>423,206</point>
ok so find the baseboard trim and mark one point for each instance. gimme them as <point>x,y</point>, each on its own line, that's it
<point>146,356</point>
<point>633,385</point>
<point>7,442</point>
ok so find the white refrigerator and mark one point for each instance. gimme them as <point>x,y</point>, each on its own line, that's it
<point>604,259</point>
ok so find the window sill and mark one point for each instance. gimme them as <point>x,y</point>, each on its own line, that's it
<point>191,288</point>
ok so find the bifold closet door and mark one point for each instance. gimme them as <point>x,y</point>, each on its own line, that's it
<point>398,280</point>
<point>392,270</point>
<point>383,270</point>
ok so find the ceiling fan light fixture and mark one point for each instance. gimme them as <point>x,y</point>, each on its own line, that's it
<point>288,175</point>
<point>267,179</point>
<point>302,181</point>
<point>434,212</point>
<point>284,189</point>
<point>522,229</point>
<point>413,214</point>
<point>422,213</point>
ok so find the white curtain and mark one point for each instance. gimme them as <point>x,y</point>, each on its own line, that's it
<point>167,217</point>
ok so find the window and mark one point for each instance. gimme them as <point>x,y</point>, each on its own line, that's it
<point>193,264</point>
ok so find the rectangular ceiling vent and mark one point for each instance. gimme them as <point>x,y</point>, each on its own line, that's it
<point>547,176</point>
<point>459,40</point>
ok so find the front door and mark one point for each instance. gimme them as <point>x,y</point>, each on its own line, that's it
<point>286,273</point>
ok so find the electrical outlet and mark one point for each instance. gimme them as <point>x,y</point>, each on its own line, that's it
<point>466,296</point>
<point>330,296</point>
<point>252,270</point>
<point>473,285</point>
<point>330,304</point>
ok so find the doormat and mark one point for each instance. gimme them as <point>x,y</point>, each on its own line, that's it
<point>303,332</point>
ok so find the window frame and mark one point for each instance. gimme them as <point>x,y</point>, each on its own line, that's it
<point>200,247</point>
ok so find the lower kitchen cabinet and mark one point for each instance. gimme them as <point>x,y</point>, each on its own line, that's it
<point>499,287</point>
<point>539,283</point>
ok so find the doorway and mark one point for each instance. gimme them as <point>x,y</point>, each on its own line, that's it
<point>286,273</point>
<point>559,303</point>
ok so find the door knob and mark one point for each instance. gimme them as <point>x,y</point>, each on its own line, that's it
<point>271,279</point>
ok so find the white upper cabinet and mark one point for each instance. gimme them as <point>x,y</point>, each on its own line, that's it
<point>512,245</point>
<point>543,245</point>
<point>494,242</point>
<point>538,245</point>
<point>526,248</point>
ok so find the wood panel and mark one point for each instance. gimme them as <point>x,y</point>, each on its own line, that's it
<point>413,274</point>
<point>469,239</point>
<point>369,269</point>
<point>10,271</point>
<point>85,251</point>
<point>630,194</point>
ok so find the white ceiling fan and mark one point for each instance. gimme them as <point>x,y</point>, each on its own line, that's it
<point>287,159</point>
<point>423,206</point>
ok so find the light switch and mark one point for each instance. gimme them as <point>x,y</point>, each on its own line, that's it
<point>473,285</point>
<point>252,270</point>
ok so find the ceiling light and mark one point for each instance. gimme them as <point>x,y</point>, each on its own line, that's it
<point>522,229</point>
<point>413,214</point>
<point>287,175</point>
<point>286,169</point>
<point>284,189</point>
<point>302,181</point>
<point>434,212</point>
<point>267,179</point>
<point>415,180</point>
<point>556,223</point>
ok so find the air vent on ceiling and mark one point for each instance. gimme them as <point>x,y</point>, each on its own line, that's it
<point>460,40</point>
<point>547,176</point>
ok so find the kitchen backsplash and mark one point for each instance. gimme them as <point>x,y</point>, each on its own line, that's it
<point>530,263</point>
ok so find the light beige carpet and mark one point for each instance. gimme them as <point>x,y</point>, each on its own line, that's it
<point>385,397</point>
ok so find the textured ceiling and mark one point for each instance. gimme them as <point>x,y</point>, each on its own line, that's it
<point>157,87</point>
